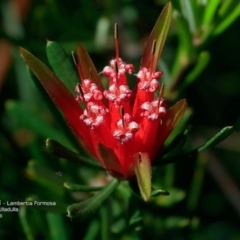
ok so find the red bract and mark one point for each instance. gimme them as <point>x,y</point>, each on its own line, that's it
<point>119,126</point>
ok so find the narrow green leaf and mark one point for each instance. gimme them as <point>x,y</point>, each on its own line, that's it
<point>176,196</point>
<point>85,209</point>
<point>210,11</point>
<point>185,52</point>
<point>159,192</point>
<point>188,13</point>
<point>57,227</point>
<point>30,119</point>
<point>159,33</point>
<point>61,151</point>
<point>136,220</point>
<point>45,177</point>
<point>62,65</point>
<point>143,170</point>
<point>219,137</point>
<point>92,231</point>
<point>184,36</point>
<point>200,65</point>
<point>25,224</point>
<point>227,21</point>
<point>225,7</point>
<point>80,188</point>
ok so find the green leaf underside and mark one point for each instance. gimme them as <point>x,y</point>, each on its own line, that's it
<point>59,150</point>
<point>85,209</point>
<point>62,65</point>
<point>80,188</point>
<point>159,34</point>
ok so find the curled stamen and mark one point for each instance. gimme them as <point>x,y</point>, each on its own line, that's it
<point>118,95</point>
<point>93,115</point>
<point>148,81</point>
<point>125,129</point>
<point>113,73</point>
<point>154,110</point>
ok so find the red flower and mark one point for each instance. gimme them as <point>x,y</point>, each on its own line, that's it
<point>119,126</point>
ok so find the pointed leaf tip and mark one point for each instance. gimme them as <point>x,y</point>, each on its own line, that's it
<point>143,170</point>
<point>87,208</point>
<point>159,34</point>
<point>219,137</point>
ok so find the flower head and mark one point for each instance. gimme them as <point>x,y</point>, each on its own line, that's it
<point>117,125</point>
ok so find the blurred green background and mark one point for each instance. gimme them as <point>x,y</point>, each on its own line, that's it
<point>200,61</point>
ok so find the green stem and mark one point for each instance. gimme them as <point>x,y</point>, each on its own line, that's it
<point>25,224</point>
<point>197,183</point>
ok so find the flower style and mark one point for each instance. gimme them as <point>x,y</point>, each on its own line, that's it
<point>119,126</point>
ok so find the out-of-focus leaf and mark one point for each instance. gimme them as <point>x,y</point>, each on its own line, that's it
<point>61,151</point>
<point>227,21</point>
<point>197,8</point>
<point>159,34</point>
<point>202,62</point>
<point>57,227</point>
<point>196,183</point>
<point>175,222</point>
<point>85,209</point>
<point>24,222</point>
<point>92,230</point>
<point>143,170</point>
<point>225,7</point>
<point>188,13</point>
<point>136,220</point>
<point>80,188</point>
<point>185,50</point>
<point>176,196</point>
<point>210,11</point>
<point>159,192</point>
<point>174,146</point>
<point>62,65</point>
<point>184,36</point>
<point>46,178</point>
<point>165,78</point>
<point>32,120</point>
